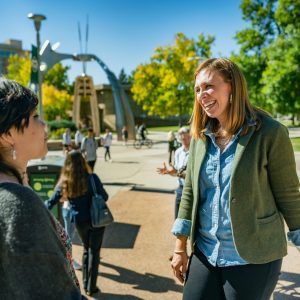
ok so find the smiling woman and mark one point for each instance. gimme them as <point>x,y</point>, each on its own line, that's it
<point>240,181</point>
<point>32,243</point>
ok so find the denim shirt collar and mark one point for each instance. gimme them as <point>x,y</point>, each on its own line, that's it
<point>208,131</point>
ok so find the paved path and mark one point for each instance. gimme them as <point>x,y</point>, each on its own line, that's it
<point>134,262</point>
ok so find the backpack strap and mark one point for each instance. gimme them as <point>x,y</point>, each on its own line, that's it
<point>93,185</point>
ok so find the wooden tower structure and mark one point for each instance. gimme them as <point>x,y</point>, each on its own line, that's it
<point>85,106</point>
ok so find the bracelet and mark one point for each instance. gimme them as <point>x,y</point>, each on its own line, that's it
<point>179,251</point>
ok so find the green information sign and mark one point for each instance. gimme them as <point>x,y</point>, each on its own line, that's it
<point>44,184</point>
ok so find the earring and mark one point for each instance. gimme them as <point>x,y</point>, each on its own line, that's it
<point>14,154</point>
<point>230,98</point>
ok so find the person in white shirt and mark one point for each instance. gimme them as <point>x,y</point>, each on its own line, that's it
<point>89,148</point>
<point>107,141</point>
<point>180,163</point>
<point>67,141</point>
<point>78,138</point>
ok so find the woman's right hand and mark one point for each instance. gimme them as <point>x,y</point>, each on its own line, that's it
<point>179,265</point>
<point>163,170</point>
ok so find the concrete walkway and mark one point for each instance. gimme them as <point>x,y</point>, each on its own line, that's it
<point>134,263</point>
<point>134,258</point>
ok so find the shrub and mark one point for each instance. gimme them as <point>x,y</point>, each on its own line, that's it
<point>58,124</point>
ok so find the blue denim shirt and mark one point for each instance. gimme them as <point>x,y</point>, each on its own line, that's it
<point>214,237</point>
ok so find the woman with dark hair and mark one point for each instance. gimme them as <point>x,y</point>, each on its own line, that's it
<point>240,184</point>
<point>35,251</point>
<point>75,186</point>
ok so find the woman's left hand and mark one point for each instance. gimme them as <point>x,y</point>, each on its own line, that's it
<point>179,265</point>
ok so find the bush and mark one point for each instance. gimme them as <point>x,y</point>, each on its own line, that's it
<point>54,125</point>
<point>56,134</point>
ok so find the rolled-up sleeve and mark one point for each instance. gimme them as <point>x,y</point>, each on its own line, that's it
<point>294,238</point>
<point>181,227</point>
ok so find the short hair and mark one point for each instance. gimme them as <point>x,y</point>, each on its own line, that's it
<point>16,105</point>
<point>183,130</point>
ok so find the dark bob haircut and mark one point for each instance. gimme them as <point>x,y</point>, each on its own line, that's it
<point>16,105</point>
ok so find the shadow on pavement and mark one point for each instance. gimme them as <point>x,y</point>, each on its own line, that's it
<point>125,162</point>
<point>120,183</point>
<point>107,296</point>
<point>140,188</point>
<point>120,235</point>
<point>146,282</point>
<point>287,290</point>
<point>117,236</point>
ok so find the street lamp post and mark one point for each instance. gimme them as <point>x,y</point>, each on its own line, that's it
<point>37,24</point>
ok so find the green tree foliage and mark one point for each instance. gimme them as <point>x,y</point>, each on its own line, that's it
<point>165,86</point>
<point>56,103</point>
<point>260,14</point>
<point>19,68</point>
<point>269,53</point>
<point>125,79</point>
<point>281,77</point>
<point>57,93</point>
<point>58,77</point>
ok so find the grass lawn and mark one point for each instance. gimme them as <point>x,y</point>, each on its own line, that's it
<point>165,128</point>
<point>296,143</point>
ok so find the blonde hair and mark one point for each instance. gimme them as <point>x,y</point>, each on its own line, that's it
<point>240,109</point>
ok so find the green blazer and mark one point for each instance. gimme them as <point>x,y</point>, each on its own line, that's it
<point>264,189</point>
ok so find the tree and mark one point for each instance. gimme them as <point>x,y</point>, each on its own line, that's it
<point>58,77</point>
<point>269,54</point>
<point>263,30</point>
<point>56,103</point>
<point>123,78</point>
<point>165,86</point>
<point>19,68</point>
<point>281,77</point>
<point>57,93</point>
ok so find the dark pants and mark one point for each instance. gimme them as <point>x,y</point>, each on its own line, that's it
<point>177,199</point>
<point>245,282</point>
<point>92,240</point>
<point>91,163</point>
<point>171,151</point>
<point>107,152</point>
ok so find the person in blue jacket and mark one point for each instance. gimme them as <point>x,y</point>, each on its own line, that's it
<point>75,186</point>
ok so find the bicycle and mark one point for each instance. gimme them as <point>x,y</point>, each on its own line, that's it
<point>140,142</point>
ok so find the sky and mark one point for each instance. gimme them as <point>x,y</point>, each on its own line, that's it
<point>122,33</point>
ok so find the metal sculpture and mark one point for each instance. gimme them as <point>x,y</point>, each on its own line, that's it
<point>124,115</point>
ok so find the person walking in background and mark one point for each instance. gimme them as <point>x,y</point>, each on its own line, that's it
<point>78,138</point>
<point>67,141</point>
<point>180,163</point>
<point>89,148</point>
<point>124,135</point>
<point>67,213</point>
<point>241,180</point>
<point>171,146</point>
<point>107,141</point>
<point>35,255</point>
<point>142,130</point>
<point>75,185</point>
